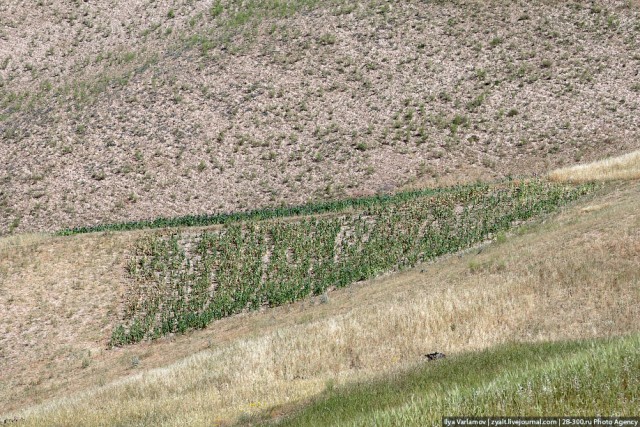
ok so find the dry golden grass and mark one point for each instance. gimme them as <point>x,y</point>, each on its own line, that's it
<point>58,297</point>
<point>575,276</point>
<point>625,167</point>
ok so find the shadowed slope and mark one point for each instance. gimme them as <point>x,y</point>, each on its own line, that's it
<point>543,379</point>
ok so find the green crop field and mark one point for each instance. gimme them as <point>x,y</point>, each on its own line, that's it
<point>184,280</point>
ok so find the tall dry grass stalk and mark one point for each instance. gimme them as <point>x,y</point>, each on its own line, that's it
<point>575,277</point>
<point>623,167</point>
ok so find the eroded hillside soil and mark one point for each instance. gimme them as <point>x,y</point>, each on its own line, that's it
<point>125,110</point>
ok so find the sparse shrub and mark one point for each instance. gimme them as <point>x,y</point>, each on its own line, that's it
<point>477,102</point>
<point>14,224</point>
<point>444,96</point>
<point>327,39</point>
<point>271,155</point>
<point>11,133</point>
<point>488,162</point>
<point>216,9</point>
<point>456,122</point>
<point>98,175</point>
<point>422,136</point>
<point>361,146</point>
<point>475,266</point>
<point>128,57</point>
<point>408,115</point>
<point>422,169</point>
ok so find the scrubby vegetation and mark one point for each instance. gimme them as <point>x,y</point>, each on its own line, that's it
<point>126,110</point>
<point>185,280</point>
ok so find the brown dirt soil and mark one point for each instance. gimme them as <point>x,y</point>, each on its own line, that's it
<point>122,110</point>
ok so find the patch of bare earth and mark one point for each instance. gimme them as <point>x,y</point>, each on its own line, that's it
<point>124,110</point>
<point>59,299</point>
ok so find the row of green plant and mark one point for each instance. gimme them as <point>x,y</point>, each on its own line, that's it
<point>256,214</point>
<point>184,280</point>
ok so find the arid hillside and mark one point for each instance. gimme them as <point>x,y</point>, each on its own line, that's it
<point>575,274</point>
<point>121,110</point>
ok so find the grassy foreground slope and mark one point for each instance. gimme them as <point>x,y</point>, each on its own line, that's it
<point>582,378</point>
<point>577,275</point>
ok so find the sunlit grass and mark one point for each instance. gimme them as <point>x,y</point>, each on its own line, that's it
<point>625,167</point>
<point>578,378</point>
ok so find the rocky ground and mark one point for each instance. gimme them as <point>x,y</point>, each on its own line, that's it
<point>124,110</point>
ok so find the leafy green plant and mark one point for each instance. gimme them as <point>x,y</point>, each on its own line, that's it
<point>258,214</point>
<point>183,280</point>
<point>216,9</point>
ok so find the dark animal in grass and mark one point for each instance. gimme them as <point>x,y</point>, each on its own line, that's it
<point>435,356</point>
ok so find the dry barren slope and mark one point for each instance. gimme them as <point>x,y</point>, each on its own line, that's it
<point>124,110</point>
<point>576,275</point>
